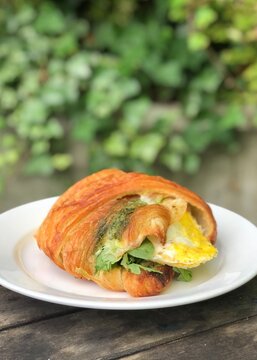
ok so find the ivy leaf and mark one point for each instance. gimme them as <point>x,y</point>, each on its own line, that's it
<point>232,118</point>
<point>40,165</point>
<point>50,20</point>
<point>65,45</point>
<point>85,127</point>
<point>108,91</point>
<point>9,72</point>
<point>147,147</point>
<point>178,144</point>
<point>8,98</point>
<point>116,144</point>
<point>193,103</point>
<point>2,122</point>
<point>32,111</point>
<point>61,161</point>
<point>54,129</point>
<point>172,160</point>
<point>198,41</point>
<point>168,74</point>
<point>204,16</point>
<point>77,66</point>
<point>26,14</point>
<point>134,113</point>
<point>40,147</point>
<point>208,80</point>
<point>30,84</point>
<point>192,163</point>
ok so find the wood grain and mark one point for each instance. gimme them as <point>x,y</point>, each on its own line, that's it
<point>235,341</point>
<point>97,334</point>
<point>16,309</point>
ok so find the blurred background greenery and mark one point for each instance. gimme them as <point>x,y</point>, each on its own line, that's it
<point>139,85</point>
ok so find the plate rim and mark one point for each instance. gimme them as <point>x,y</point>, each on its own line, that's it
<point>154,302</point>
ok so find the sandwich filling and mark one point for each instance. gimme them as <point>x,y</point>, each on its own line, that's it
<point>185,245</point>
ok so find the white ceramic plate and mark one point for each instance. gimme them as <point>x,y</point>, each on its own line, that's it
<point>28,271</point>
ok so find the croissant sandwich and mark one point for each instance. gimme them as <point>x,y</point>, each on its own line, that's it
<point>128,231</point>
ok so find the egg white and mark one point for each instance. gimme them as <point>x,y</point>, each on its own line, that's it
<point>185,245</point>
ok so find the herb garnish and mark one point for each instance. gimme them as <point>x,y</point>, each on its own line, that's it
<point>114,224</point>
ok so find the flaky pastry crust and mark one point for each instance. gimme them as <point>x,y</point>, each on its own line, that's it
<point>73,228</point>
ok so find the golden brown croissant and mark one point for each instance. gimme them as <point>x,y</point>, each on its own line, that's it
<point>128,231</point>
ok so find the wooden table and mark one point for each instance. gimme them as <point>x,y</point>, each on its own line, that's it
<point>220,328</point>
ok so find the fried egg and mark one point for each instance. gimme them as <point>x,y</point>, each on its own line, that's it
<point>185,246</point>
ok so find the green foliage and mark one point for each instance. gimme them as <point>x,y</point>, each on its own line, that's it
<point>139,83</point>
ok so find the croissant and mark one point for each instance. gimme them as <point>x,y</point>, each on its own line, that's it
<point>128,231</point>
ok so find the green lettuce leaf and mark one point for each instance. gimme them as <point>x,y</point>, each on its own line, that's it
<point>105,259</point>
<point>145,251</point>
<point>132,260</point>
<point>183,274</point>
<point>129,263</point>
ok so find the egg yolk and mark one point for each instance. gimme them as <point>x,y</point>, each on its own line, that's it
<point>185,246</point>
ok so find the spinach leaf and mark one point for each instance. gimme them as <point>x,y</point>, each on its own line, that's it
<point>144,251</point>
<point>183,274</point>
<point>129,263</point>
<point>105,259</point>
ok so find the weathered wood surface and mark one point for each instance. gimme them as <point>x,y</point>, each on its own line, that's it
<point>97,334</point>
<point>235,341</point>
<point>220,328</point>
<point>16,310</point>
